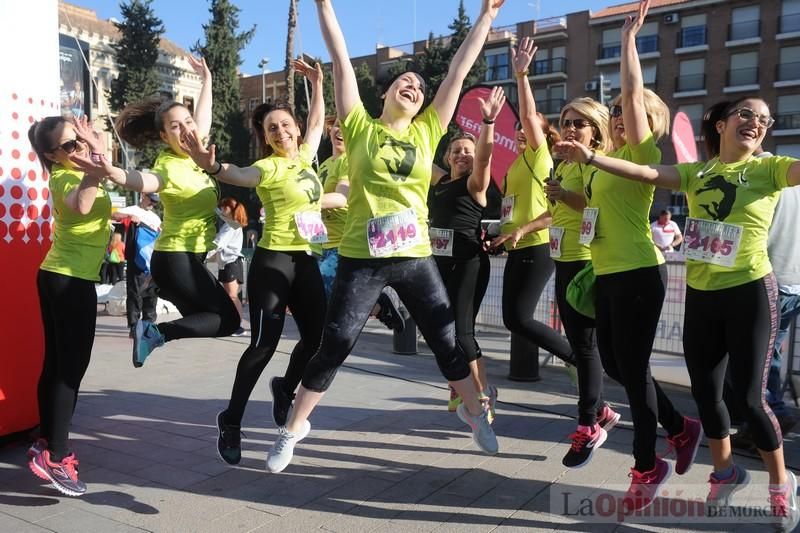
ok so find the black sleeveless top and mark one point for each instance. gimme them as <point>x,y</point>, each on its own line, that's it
<point>452,207</point>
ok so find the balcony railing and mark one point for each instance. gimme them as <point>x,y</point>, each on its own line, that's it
<point>693,36</point>
<point>497,73</point>
<point>551,106</point>
<point>789,23</point>
<point>550,66</point>
<point>787,121</point>
<point>502,32</point>
<point>690,82</point>
<point>787,71</point>
<point>550,24</point>
<point>644,44</point>
<point>747,29</point>
<point>742,76</point>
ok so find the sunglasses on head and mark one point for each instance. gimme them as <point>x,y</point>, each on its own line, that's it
<point>747,114</point>
<point>579,123</point>
<point>615,111</point>
<point>68,147</point>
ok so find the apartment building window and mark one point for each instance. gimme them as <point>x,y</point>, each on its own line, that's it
<point>694,31</point>
<point>556,62</point>
<point>541,62</point>
<point>611,45</point>
<point>789,65</point>
<point>790,16</point>
<point>790,150</point>
<point>743,69</point>
<point>550,99</point>
<point>745,23</point>
<point>788,116</point>
<point>691,75</point>
<point>497,64</point>
<point>695,114</point>
<point>646,41</point>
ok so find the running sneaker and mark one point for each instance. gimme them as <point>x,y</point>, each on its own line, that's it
<point>784,504</point>
<point>454,402</point>
<point>584,443</point>
<point>644,486</point>
<point>389,314</point>
<point>685,445</point>
<point>281,402</point>
<point>607,418</point>
<point>146,338</point>
<point>63,475</point>
<point>721,490</point>
<point>482,432</point>
<point>281,453</point>
<point>38,446</point>
<point>229,441</point>
<point>241,332</point>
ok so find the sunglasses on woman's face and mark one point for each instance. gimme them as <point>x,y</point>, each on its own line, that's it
<point>68,147</point>
<point>615,110</point>
<point>747,114</point>
<point>579,123</point>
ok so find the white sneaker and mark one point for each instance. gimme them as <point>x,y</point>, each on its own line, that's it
<point>482,432</point>
<point>281,453</point>
<point>784,505</point>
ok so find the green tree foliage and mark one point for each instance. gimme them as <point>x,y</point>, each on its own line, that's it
<point>136,53</point>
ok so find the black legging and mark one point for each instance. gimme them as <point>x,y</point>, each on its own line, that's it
<point>628,309</point>
<point>275,280</point>
<point>734,328</point>
<point>69,316</point>
<point>358,284</point>
<point>466,281</point>
<point>581,335</point>
<point>524,278</point>
<point>207,310</point>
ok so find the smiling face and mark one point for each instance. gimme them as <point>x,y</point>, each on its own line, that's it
<point>63,142</point>
<point>281,132</point>
<point>405,94</point>
<point>570,130</point>
<point>460,157</point>
<point>337,139</point>
<point>742,129</point>
<point>176,120</point>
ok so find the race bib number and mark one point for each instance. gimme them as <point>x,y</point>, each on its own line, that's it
<point>556,235</point>
<point>441,241</point>
<point>712,242</point>
<point>393,233</point>
<point>311,227</point>
<point>507,210</point>
<point>588,224</point>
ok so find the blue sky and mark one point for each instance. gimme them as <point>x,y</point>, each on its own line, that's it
<point>364,22</point>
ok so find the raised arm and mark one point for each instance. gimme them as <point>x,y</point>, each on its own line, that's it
<point>634,114</point>
<point>531,126</point>
<point>344,77</point>
<point>202,109</point>
<point>665,176</point>
<point>478,181</point>
<point>446,97</point>
<point>81,198</point>
<point>206,158</point>
<point>315,123</point>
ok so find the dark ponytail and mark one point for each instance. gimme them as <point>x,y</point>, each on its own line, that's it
<point>715,113</point>
<point>141,123</point>
<point>40,135</point>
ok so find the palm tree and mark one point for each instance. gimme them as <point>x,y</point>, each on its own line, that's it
<point>289,69</point>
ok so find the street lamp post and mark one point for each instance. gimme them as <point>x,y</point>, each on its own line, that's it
<point>263,66</point>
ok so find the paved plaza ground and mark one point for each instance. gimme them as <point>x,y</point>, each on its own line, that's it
<point>384,454</point>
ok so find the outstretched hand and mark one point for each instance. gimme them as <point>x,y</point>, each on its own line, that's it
<point>501,239</point>
<point>634,24</point>
<point>313,74</point>
<point>87,134</point>
<point>521,57</point>
<point>572,151</point>
<point>491,107</point>
<point>205,158</point>
<point>200,67</point>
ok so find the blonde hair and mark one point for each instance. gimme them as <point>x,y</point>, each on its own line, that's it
<point>597,114</point>
<point>657,113</point>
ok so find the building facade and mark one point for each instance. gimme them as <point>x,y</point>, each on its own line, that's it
<point>693,53</point>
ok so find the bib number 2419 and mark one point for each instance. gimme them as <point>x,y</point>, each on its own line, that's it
<point>393,233</point>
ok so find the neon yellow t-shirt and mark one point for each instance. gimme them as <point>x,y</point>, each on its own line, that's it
<point>570,175</point>
<point>287,187</point>
<point>79,241</point>
<point>390,172</point>
<point>525,182</point>
<point>189,197</point>
<point>331,173</point>
<point>744,194</point>
<point>623,240</point>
